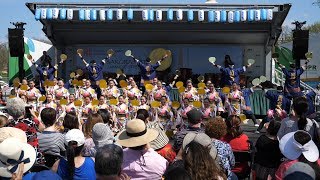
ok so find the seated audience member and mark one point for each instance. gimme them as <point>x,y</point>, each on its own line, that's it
<point>300,171</point>
<point>299,120</point>
<point>11,159</point>
<point>75,166</point>
<point>3,119</point>
<point>16,109</point>
<point>109,159</point>
<point>101,135</point>
<point>106,117</point>
<point>163,147</point>
<point>140,161</point>
<point>194,125</point>
<point>268,155</point>
<point>93,119</point>
<point>51,142</point>
<point>199,163</point>
<point>238,142</point>
<point>298,147</point>
<point>70,121</point>
<point>216,128</point>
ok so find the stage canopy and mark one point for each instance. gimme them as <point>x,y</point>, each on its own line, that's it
<point>72,24</point>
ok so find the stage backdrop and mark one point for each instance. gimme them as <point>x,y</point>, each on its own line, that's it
<point>35,49</point>
<point>184,56</point>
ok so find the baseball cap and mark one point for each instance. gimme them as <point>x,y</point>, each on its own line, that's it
<point>75,135</point>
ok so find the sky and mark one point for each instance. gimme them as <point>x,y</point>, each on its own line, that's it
<point>15,10</point>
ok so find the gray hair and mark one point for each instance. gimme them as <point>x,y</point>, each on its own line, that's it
<point>16,107</point>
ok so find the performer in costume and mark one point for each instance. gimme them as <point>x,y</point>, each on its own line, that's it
<point>233,102</point>
<point>49,102</point>
<point>292,79</point>
<point>102,103</point>
<point>87,90</point>
<point>148,70</point>
<point>182,119</point>
<point>247,108</point>
<point>216,98</point>
<point>279,106</point>
<point>46,73</point>
<point>33,94</point>
<point>208,110</point>
<point>164,113</point>
<point>94,69</point>
<point>121,111</point>
<point>61,91</point>
<point>229,73</point>
<point>191,92</point>
<point>70,106</point>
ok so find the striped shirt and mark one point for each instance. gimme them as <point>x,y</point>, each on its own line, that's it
<point>51,143</point>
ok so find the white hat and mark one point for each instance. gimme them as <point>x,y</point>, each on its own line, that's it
<point>7,132</point>
<point>292,149</point>
<point>75,135</point>
<point>12,153</point>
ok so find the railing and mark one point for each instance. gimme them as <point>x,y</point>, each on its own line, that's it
<point>279,80</point>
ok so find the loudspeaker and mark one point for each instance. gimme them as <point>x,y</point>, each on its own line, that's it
<point>16,42</point>
<point>300,44</point>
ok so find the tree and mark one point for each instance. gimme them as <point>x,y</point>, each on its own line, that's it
<point>313,28</point>
<point>4,56</point>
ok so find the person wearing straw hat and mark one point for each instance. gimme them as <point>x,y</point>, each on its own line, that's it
<point>140,161</point>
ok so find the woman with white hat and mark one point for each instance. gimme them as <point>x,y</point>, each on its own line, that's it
<point>298,147</point>
<point>75,166</point>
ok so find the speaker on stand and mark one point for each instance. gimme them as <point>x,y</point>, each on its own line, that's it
<point>16,45</point>
<point>300,45</point>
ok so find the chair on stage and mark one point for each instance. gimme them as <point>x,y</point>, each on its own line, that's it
<point>244,161</point>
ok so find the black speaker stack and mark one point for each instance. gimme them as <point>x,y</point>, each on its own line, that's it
<point>16,42</point>
<point>300,44</point>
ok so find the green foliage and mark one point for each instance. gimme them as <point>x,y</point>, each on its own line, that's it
<point>313,28</point>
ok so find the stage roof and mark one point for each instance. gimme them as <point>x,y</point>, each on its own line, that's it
<point>72,32</point>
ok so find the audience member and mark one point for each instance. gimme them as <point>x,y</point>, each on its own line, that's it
<point>300,171</point>
<point>298,147</point>
<point>70,122</point>
<point>16,109</point>
<point>216,129</point>
<point>101,135</point>
<point>298,120</point>
<point>93,119</point>
<point>140,161</point>
<point>199,163</point>
<point>238,142</point>
<point>75,166</point>
<point>194,125</point>
<point>13,152</point>
<point>268,155</point>
<point>109,159</point>
<point>51,142</point>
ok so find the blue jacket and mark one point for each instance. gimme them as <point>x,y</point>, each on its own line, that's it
<point>143,70</point>
<point>227,80</point>
<point>99,74</point>
<point>273,96</point>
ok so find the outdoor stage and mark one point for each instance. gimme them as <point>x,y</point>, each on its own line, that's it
<point>193,32</point>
